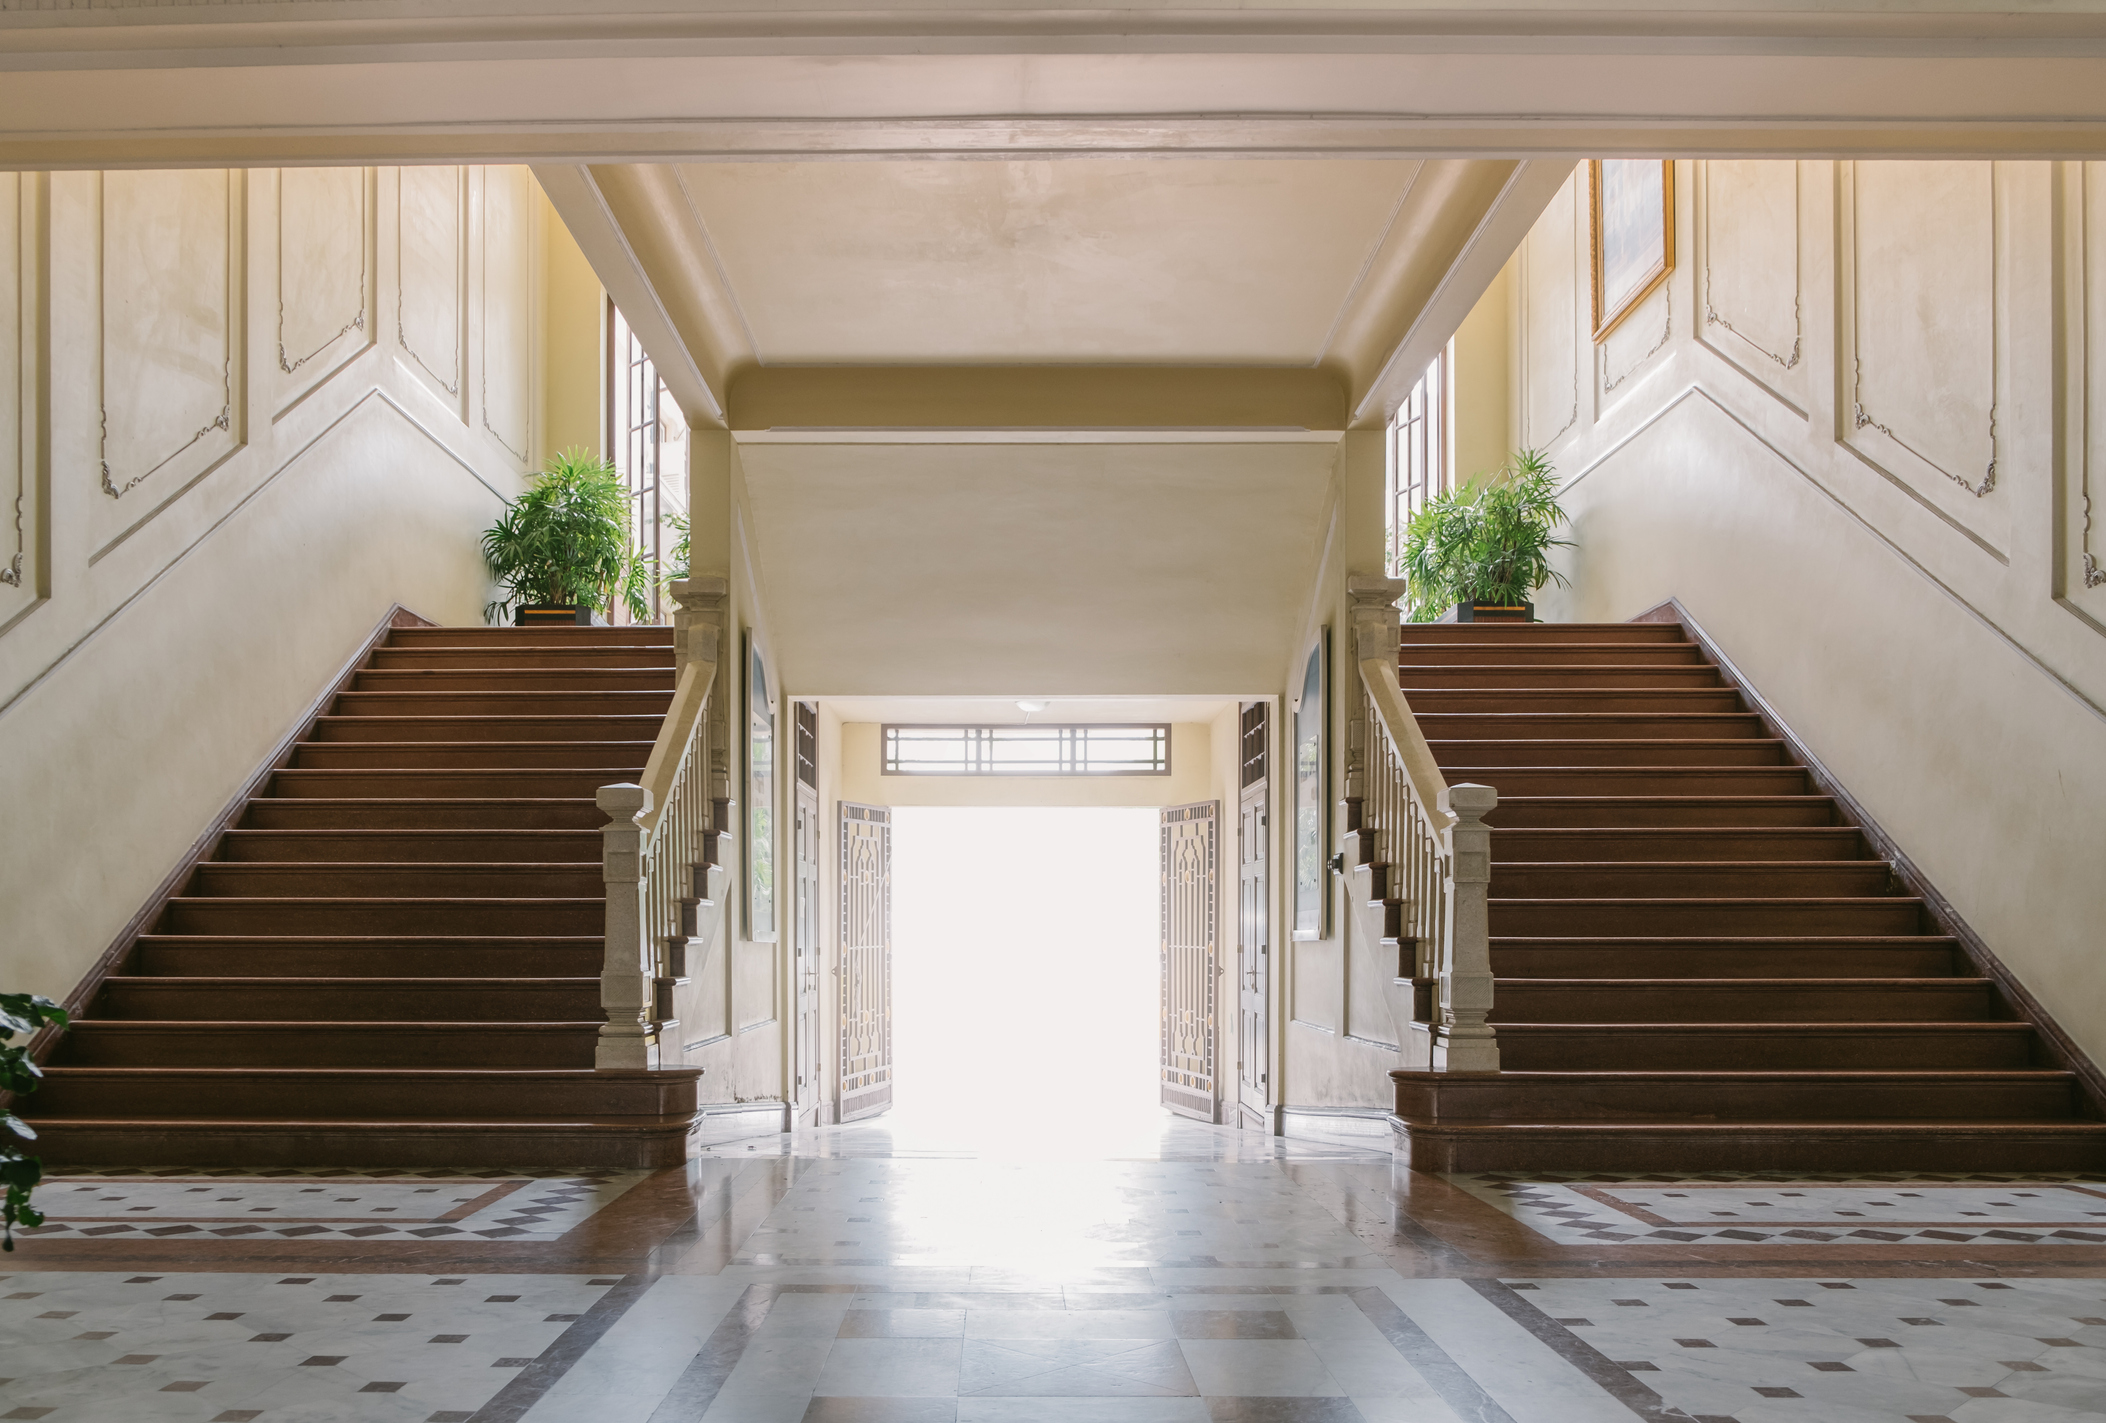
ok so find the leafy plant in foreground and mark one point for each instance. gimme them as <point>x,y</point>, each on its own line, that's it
<point>19,1171</point>
<point>1487,542</point>
<point>566,540</point>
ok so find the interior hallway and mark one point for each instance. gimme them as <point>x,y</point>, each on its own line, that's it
<point>876,1273</point>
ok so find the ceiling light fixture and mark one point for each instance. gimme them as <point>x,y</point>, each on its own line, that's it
<point>1027,708</point>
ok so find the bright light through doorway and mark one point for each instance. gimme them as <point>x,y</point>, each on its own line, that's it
<point>1026,982</point>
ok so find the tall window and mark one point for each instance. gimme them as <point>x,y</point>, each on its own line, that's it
<point>645,433</point>
<point>1418,451</point>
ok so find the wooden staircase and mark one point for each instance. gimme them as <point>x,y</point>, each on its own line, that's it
<point>1702,962</point>
<point>392,956</point>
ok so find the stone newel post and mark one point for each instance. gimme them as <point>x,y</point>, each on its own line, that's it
<point>1464,1041</point>
<point>628,1039</point>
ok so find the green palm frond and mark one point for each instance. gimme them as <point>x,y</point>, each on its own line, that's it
<point>567,540</point>
<point>1488,541</point>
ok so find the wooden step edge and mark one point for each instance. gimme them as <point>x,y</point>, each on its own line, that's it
<point>374,941</point>
<point>409,802</point>
<point>570,743</point>
<point>1684,832</point>
<point>375,1025</point>
<point>367,901</point>
<point>522,867</point>
<point>1822,1028</point>
<point>362,1126</point>
<point>1476,1126</point>
<point>1604,943</point>
<point>1686,866</point>
<point>386,1074</point>
<point>1590,801</point>
<point>482,981</point>
<point>1602,741</point>
<point>1727,1075</point>
<point>516,717</point>
<point>1716,901</point>
<point>1941,984</point>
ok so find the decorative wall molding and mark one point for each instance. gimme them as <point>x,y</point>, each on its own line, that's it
<point>1667,331</point>
<point>1709,173</point>
<point>507,315</point>
<point>2085,311</point>
<point>431,233</point>
<point>17,361</point>
<point>1558,329</point>
<point>299,183</point>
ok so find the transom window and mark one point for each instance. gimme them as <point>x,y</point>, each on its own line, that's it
<point>1027,750</point>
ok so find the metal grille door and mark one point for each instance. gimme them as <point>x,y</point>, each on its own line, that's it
<point>866,961</point>
<point>1190,833</point>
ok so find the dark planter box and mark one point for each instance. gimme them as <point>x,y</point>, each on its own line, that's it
<point>530,615</point>
<point>1495,612</point>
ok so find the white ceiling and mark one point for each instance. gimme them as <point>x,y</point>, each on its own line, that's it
<point>1182,261</point>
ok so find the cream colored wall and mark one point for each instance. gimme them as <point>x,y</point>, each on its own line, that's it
<point>574,343</point>
<point>241,414</point>
<point>863,779</point>
<point>1858,434</point>
<point>1478,384</point>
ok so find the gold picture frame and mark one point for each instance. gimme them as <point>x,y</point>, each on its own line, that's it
<point>1627,262</point>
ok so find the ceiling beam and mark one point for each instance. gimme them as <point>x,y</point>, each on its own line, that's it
<point>1063,397</point>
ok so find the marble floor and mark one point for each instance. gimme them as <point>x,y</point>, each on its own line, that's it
<point>1156,1271</point>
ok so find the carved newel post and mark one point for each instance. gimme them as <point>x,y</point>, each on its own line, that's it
<point>1464,1041</point>
<point>1376,622</point>
<point>628,1038</point>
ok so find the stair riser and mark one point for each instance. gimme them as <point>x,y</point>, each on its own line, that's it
<point>571,881</point>
<point>1634,781</point>
<point>1710,1047</point>
<point>281,961</point>
<point>338,730</point>
<point>1932,1148</point>
<point>323,813</point>
<point>1607,813</point>
<point>1564,654</point>
<point>1843,1099</point>
<point>1528,634</point>
<point>1684,1002</point>
<point>93,1044</point>
<point>1740,751</point>
<point>1600,726</point>
<point>76,1094</point>
<point>136,999</point>
<point>1687,962</point>
<point>629,655</point>
<point>1511,846</point>
<point>479,704</point>
<point>529,917</point>
<point>1517,918</point>
<point>1832,879</point>
<point>552,635</point>
<point>647,1146</point>
<point>1427,697</point>
<point>1556,678</point>
<point>625,760</point>
<point>540,785</point>
<point>537,679</point>
<point>491,847</point>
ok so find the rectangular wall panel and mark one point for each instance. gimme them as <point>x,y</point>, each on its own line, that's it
<point>324,273</point>
<point>508,276</point>
<point>430,248</point>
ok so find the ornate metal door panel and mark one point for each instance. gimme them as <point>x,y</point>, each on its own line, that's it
<point>866,962</point>
<point>1190,833</point>
<point>1254,925</point>
<point>811,1051</point>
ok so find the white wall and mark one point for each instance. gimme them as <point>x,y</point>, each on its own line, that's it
<point>1860,433</point>
<point>241,414</point>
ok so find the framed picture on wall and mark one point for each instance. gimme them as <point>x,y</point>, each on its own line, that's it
<point>760,798</point>
<point>1311,889</point>
<point>1631,210</point>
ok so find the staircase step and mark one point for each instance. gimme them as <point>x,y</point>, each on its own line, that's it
<point>2023,1094</point>
<point>1528,634</point>
<point>436,813</point>
<point>1588,726</point>
<point>1745,1000</point>
<point>1779,1145</point>
<point>1426,697</point>
<point>520,679</point>
<point>1555,678</point>
<point>397,956</point>
<point>624,757</point>
<point>440,785</point>
<point>1600,812</point>
<point>1632,780</point>
<point>1697,844</point>
<point>355,999</point>
<point>516,847</point>
<point>626,1143</point>
<point>222,879</point>
<point>1693,879</point>
<point>296,1094</point>
<point>534,917</point>
<point>534,654</point>
<point>628,726</point>
<point>1901,956</point>
<point>1731,918</point>
<point>546,635</point>
<point>1627,1046</point>
<point>1663,751</point>
<point>97,1042</point>
<point>1566,654</point>
<point>488,704</point>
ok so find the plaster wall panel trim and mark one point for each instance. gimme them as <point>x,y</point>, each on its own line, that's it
<point>179,344</point>
<point>2083,307</point>
<point>1667,331</point>
<point>1907,433</point>
<point>449,247</point>
<point>1711,176</point>
<point>507,242</point>
<point>1696,392</point>
<point>374,397</point>
<point>1538,266</point>
<point>21,362</point>
<point>306,260</point>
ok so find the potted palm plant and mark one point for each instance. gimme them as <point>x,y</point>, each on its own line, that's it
<point>562,551</point>
<point>1481,550</point>
<point>19,1171</point>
